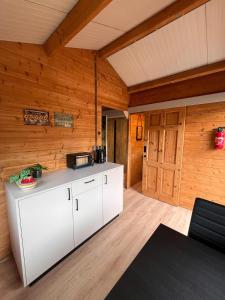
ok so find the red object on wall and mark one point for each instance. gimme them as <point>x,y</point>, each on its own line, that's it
<point>219,138</point>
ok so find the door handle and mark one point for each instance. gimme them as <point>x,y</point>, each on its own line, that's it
<point>69,196</point>
<point>106,179</point>
<point>89,181</point>
<point>77,204</point>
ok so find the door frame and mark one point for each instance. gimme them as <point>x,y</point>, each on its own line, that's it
<point>100,131</point>
<point>129,148</point>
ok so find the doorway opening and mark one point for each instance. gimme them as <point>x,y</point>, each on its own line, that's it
<point>115,136</point>
<point>136,148</point>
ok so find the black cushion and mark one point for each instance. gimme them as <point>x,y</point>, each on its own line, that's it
<point>208,224</point>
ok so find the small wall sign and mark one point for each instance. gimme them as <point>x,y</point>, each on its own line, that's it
<point>139,133</point>
<point>139,129</point>
<point>35,117</point>
<point>63,120</point>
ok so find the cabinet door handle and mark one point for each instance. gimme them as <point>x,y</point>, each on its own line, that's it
<point>76,204</point>
<point>89,181</point>
<point>69,197</point>
<point>106,179</point>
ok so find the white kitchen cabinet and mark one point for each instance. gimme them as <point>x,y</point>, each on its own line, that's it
<point>46,229</point>
<point>87,208</point>
<point>63,210</point>
<point>112,193</point>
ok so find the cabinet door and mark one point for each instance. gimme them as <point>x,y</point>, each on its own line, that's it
<point>47,229</point>
<point>112,194</point>
<point>87,214</point>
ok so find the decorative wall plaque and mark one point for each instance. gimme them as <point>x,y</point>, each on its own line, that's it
<point>139,129</point>
<point>63,120</point>
<point>36,117</point>
<point>139,133</point>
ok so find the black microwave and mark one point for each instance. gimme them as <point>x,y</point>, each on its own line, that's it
<point>79,160</point>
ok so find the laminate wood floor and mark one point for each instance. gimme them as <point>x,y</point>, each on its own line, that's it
<point>92,270</point>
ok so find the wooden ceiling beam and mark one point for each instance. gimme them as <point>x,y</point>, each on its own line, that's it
<point>162,18</point>
<point>182,76</point>
<point>204,85</point>
<point>80,15</point>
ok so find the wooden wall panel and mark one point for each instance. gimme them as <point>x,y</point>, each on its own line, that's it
<point>135,151</point>
<point>60,83</point>
<point>203,171</point>
<point>112,91</point>
<point>117,142</point>
<point>110,139</point>
<point>121,142</point>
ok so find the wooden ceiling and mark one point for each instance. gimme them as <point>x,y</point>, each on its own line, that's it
<point>79,16</point>
<point>182,76</point>
<point>194,40</point>
<point>116,19</point>
<point>165,16</point>
<point>31,21</point>
<point>146,41</point>
<point>178,46</point>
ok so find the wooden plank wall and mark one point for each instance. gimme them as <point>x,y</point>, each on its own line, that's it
<point>203,167</point>
<point>135,152</point>
<point>112,92</point>
<point>60,83</point>
<point>203,171</point>
<point>117,142</point>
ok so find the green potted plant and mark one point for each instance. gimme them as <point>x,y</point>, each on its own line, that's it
<point>37,170</point>
<point>24,179</point>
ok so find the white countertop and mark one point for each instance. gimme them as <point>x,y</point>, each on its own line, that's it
<point>58,178</point>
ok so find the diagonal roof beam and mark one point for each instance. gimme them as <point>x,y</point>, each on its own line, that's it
<point>162,18</point>
<point>80,15</point>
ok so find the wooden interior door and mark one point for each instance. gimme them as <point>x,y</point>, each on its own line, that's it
<point>151,163</point>
<point>162,165</point>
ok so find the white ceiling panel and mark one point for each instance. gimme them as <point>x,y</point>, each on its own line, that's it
<point>127,66</point>
<point>179,46</point>
<point>61,5</point>
<point>94,36</point>
<point>216,30</point>
<point>114,20</point>
<point>30,22</point>
<point>125,14</point>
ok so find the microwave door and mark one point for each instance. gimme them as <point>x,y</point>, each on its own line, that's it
<point>81,161</point>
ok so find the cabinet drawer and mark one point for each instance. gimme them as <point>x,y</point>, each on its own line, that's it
<point>85,184</point>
